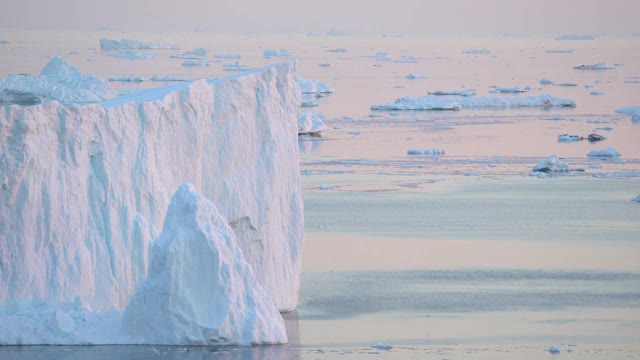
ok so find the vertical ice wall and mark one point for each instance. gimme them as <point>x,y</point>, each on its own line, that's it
<point>84,189</point>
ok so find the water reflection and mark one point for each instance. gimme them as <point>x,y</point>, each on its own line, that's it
<point>310,145</point>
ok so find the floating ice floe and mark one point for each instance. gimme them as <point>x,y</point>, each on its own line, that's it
<point>569,138</point>
<point>633,111</point>
<point>608,152</point>
<point>195,63</point>
<point>477,52</point>
<point>382,346</point>
<point>593,137</point>
<point>440,103</point>
<point>456,92</point>
<point>236,67</point>
<point>337,50</point>
<point>136,55</point>
<point>560,51</point>
<point>414,77</point>
<point>269,53</point>
<point>546,82</point>
<point>551,164</point>
<point>134,79</point>
<point>116,164</point>
<point>200,290</point>
<point>311,123</point>
<point>227,56</point>
<point>596,93</point>
<point>575,37</point>
<point>4,42</point>
<point>636,199</point>
<point>597,66</point>
<point>566,84</point>
<point>314,87</point>
<point>128,44</point>
<point>407,59</point>
<point>59,81</point>
<point>171,78</point>
<point>196,54</point>
<point>433,151</point>
<point>511,90</point>
<point>553,349</point>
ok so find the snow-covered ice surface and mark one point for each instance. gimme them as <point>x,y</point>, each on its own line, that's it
<point>439,103</point>
<point>109,44</point>
<point>85,232</point>
<point>58,81</point>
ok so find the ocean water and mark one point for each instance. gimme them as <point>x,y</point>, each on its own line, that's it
<point>462,255</point>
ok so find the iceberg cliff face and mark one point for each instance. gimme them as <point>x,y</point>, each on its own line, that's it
<point>84,190</point>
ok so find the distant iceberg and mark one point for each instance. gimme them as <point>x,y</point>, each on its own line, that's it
<point>596,93</point>
<point>128,54</point>
<point>311,123</point>
<point>195,63</point>
<point>511,90</point>
<point>466,92</point>
<point>337,50</point>
<point>551,164</point>
<point>269,53</point>
<point>414,76</point>
<point>569,138</point>
<point>575,37</point>
<point>128,44</point>
<point>477,52</point>
<point>608,152</point>
<point>433,151</point>
<point>227,56</point>
<point>236,67</point>
<point>636,199</point>
<point>597,66</point>
<point>566,84</point>
<point>546,81</point>
<point>439,103</point>
<point>4,42</point>
<point>558,51</point>
<point>59,81</point>
<point>196,54</point>
<point>134,79</point>
<point>171,78</point>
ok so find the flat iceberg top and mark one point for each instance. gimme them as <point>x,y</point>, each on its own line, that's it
<point>108,44</point>
<point>438,103</point>
<point>59,81</point>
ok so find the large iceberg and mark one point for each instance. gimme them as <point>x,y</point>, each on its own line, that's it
<point>84,189</point>
<point>439,103</point>
<point>59,81</point>
<point>128,44</point>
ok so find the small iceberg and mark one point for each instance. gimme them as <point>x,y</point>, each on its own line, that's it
<point>311,123</point>
<point>269,53</point>
<point>314,87</point>
<point>575,37</point>
<point>565,84</point>
<point>4,42</point>
<point>546,82</point>
<point>128,44</point>
<point>456,92</point>
<point>569,138</point>
<point>597,66</point>
<point>196,54</point>
<point>414,77</point>
<point>337,50</point>
<point>593,137</point>
<point>439,103</point>
<point>195,63</point>
<point>551,164</point>
<point>511,90</point>
<point>553,349</point>
<point>596,93</point>
<point>132,79</point>
<point>227,56</point>
<point>434,151</point>
<point>382,346</point>
<point>636,199</point>
<point>477,52</point>
<point>59,81</point>
<point>608,152</point>
<point>134,55</point>
<point>236,66</point>
<point>633,111</point>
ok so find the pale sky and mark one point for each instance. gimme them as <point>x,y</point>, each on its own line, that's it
<point>467,17</point>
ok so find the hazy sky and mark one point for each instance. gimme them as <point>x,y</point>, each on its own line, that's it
<point>354,16</point>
